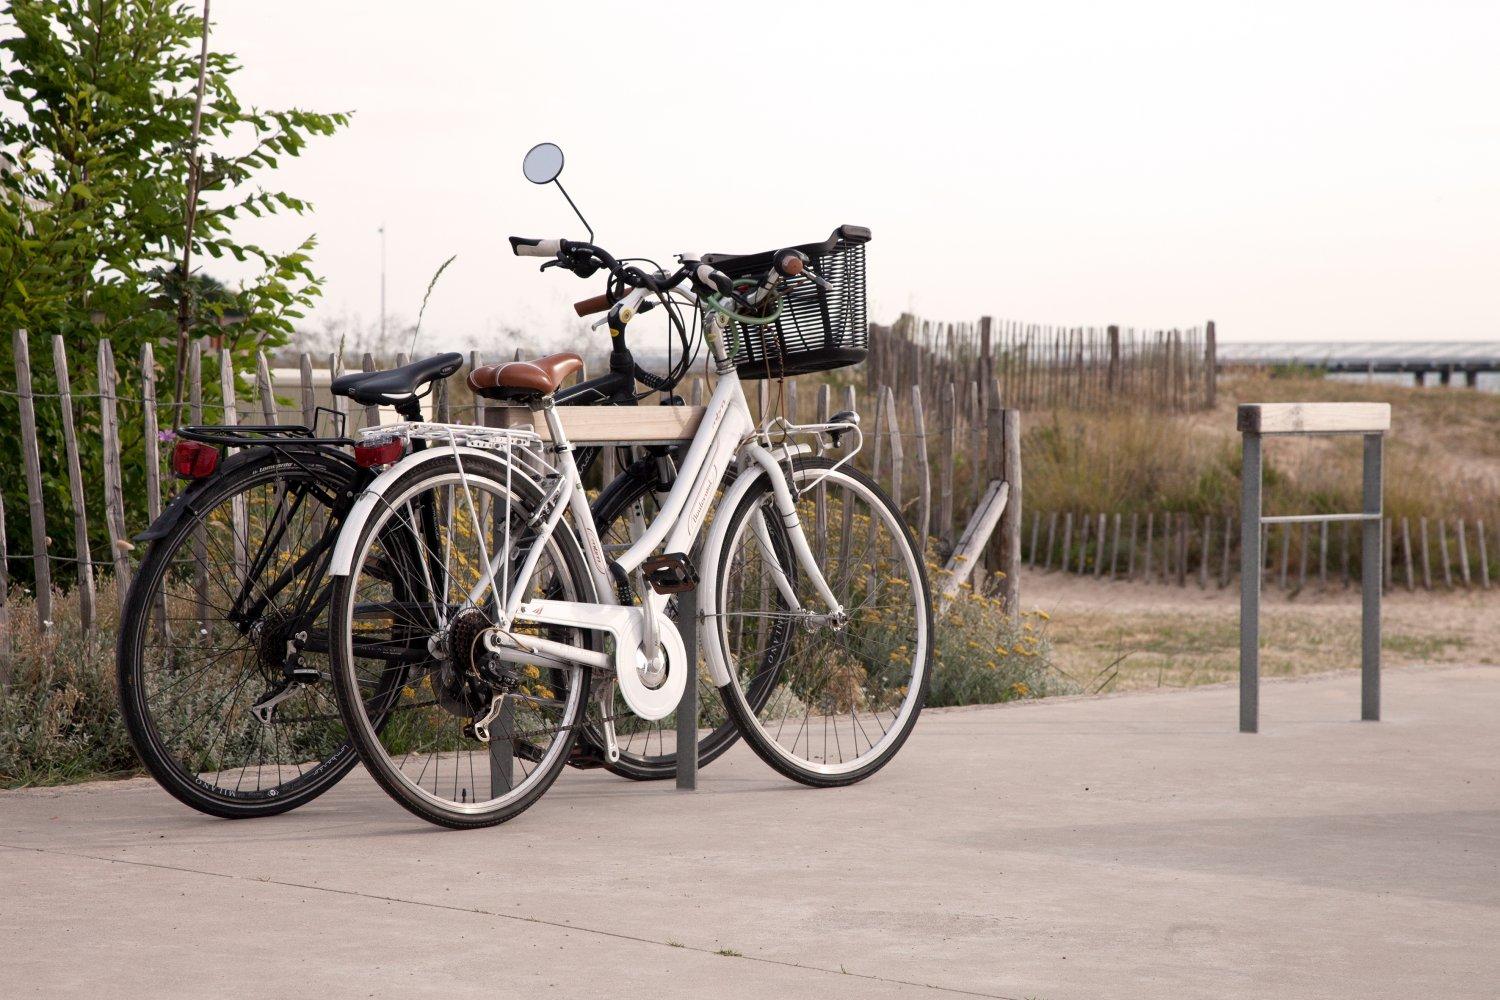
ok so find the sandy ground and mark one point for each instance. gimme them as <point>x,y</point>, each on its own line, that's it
<point>1115,636</point>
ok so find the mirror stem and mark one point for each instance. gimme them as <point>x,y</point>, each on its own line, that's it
<point>575,208</point>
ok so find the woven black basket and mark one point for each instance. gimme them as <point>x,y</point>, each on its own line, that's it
<point>818,329</point>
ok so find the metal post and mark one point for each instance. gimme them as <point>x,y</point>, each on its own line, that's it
<point>1372,560</point>
<point>687,709</point>
<point>503,750</point>
<point>1250,532</point>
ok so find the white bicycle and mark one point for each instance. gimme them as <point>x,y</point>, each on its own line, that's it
<point>475,611</point>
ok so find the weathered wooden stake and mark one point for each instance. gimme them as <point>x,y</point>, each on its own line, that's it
<point>1484,556</point>
<point>924,471</point>
<point>309,401</point>
<point>1067,546</point>
<point>75,486</point>
<point>1150,531</point>
<point>1083,541</point>
<point>114,492</point>
<point>1100,536</point>
<point>1426,557</point>
<point>1010,518</point>
<point>1463,555</point>
<point>151,431</point>
<point>263,388</point>
<point>1411,578</point>
<point>32,461</point>
<point>1114,552</point>
<point>1443,548</point>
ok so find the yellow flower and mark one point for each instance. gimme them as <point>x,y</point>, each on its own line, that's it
<point>1043,615</point>
<point>1001,650</point>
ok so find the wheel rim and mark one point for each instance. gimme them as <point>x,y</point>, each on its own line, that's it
<point>843,697</point>
<point>400,605</point>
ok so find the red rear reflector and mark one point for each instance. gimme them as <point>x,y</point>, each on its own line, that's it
<point>194,459</point>
<point>377,453</point>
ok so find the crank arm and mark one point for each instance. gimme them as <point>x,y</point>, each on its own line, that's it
<point>606,716</point>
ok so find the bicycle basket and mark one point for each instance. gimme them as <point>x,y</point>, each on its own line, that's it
<point>818,329</point>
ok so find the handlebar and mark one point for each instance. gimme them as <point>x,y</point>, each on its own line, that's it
<point>583,259</point>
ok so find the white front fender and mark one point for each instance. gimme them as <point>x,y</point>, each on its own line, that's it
<point>369,501</point>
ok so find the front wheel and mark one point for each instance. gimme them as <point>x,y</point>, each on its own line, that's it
<point>842,698</point>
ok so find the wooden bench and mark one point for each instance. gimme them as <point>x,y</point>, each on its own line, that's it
<point>607,425</point>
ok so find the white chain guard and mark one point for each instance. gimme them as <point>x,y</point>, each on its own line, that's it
<point>625,626</point>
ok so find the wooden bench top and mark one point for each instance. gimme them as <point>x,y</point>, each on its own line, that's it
<point>1314,418</point>
<point>591,425</point>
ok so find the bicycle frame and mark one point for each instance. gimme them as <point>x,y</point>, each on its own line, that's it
<point>727,433</point>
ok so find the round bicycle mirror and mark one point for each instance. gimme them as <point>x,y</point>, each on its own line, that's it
<point>543,163</point>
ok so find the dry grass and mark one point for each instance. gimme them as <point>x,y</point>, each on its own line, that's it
<point>1120,636</point>
<point>1442,459</point>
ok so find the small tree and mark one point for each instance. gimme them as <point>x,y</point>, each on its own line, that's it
<point>118,124</point>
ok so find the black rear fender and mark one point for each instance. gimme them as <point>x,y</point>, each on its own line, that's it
<point>238,463</point>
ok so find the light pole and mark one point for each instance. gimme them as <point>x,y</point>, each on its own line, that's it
<point>381,230</point>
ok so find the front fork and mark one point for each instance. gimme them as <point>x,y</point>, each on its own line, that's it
<point>785,505</point>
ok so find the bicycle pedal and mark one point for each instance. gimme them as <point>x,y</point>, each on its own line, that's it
<point>585,759</point>
<point>670,573</point>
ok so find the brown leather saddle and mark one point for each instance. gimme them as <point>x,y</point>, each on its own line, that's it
<point>524,381</point>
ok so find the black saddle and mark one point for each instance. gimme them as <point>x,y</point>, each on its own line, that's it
<point>397,385</point>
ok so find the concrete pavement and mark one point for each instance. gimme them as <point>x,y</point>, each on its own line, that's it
<point>1133,846</point>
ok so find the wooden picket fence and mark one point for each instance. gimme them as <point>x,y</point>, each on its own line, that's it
<point>939,456</point>
<point>940,461</point>
<point>1173,547</point>
<point>1046,367</point>
<point>239,397</point>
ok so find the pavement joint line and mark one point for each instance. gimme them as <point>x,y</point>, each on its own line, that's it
<point>502,916</point>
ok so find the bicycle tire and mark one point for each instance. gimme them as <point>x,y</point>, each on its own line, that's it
<point>146,601</point>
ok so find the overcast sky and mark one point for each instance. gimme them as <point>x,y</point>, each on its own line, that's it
<point>1293,170</point>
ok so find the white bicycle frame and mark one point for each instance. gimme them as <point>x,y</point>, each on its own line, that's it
<point>726,435</point>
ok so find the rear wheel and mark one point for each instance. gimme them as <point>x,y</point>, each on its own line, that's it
<point>456,734</point>
<point>222,662</point>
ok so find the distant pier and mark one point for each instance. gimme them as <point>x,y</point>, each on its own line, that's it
<point>1428,362</point>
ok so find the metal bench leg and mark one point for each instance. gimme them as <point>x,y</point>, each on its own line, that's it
<point>1250,529</point>
<point>687,709</point>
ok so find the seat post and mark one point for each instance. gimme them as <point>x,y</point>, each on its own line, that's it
<point>410,408</point>
<point>548,409</point>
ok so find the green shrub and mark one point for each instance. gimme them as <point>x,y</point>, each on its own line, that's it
<point>984,656</point>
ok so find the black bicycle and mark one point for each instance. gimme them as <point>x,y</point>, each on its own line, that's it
<point>223,653</point>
